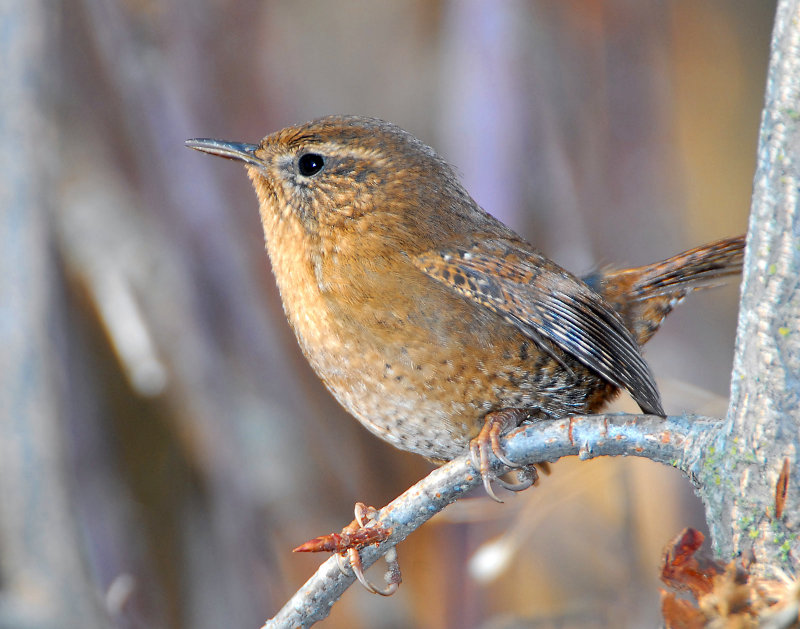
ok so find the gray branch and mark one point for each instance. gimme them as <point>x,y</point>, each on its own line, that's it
<point>683,442</point>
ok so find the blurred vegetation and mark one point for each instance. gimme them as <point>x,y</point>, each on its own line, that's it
<point>163,444</point>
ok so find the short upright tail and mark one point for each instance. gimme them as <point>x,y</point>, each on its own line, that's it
<point>645,295</point>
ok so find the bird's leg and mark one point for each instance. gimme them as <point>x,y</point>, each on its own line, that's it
<point>498,423</point>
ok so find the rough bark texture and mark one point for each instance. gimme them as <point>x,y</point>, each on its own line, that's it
<point>740,482</point>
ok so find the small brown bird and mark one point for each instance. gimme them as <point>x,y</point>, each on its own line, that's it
<point>428,319</point>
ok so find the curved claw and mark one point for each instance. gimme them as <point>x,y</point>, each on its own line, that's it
<point>362,511</point>
<point>340,563</point>
<point>488,438</point>
<point>487,485</point>
<point>473,454</point>
<point>527,475</point>
<point>498,449</point>
<point>393,576</point>
<point>479,454</point>
<point>358,571</point>
<point>495,431</point>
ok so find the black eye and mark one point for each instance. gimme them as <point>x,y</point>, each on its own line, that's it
<point>310,164</point>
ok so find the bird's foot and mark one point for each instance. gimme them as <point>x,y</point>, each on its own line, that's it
<point>488,441</point>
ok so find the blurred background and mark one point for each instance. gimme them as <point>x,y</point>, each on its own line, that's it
<point>163,444</point>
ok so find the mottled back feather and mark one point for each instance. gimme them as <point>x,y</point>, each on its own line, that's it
<point>543,300</point>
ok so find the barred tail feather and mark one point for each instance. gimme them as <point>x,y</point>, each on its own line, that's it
<point>645,295</point>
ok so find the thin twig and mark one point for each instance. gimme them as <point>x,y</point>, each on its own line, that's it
<point>679,441</point>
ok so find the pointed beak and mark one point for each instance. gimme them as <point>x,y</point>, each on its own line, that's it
<point>229,150</point>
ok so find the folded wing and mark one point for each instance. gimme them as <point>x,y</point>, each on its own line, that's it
<point>544,301</point>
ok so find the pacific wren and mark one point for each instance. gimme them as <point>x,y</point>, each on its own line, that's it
<point>426,317</point>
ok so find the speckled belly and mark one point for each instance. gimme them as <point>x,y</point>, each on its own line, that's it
<point>429,399</point>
